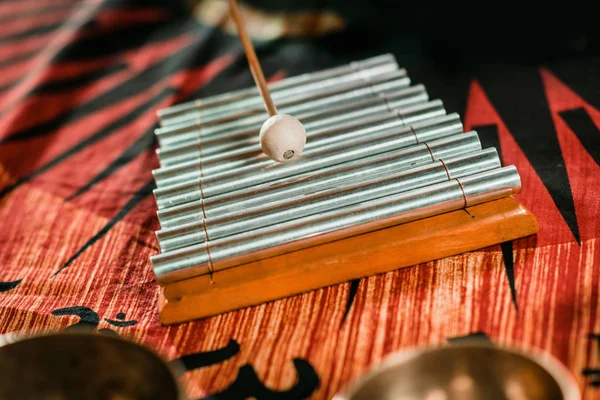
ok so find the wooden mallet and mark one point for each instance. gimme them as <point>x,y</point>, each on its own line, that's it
<point>282,137</point>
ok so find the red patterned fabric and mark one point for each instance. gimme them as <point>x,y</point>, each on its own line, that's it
<point>80,83</point>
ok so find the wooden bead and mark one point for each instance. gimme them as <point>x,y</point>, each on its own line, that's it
<point>282,138</point>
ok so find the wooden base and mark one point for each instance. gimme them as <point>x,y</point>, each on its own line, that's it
<point>343,260</point>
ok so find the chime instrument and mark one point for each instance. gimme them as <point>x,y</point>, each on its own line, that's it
<point>387,179</point>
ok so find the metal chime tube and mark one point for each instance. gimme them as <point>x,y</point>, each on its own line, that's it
<point>298,93</point>
<point>359,70</point>
<point>303,102</point>
<point>253,154</point>
<point>253,175</point>
<point>321,122</point>
<point>337,176</point>
<point>244,177</point>
<point>406,115</point>
<point>380,185</point>
<point>308,111</point>
<point>306,100</point>
<point>206,146</point>
<point>336,224</point>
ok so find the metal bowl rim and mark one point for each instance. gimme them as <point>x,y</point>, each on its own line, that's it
<point>173,369</point>
<point>556,369</point>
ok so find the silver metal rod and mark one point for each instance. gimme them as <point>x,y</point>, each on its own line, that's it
<point>320,122</point>
<point>337,176</point>
<point>379,185</point>
<point>244,177</point>
<point>357,70</point>
<point>315,119</point>
<point>253,154</point>
<point>337,224</point>
<point>360,76</point>
<point>205,146</point>
<point>332,144</point>
<point>300,102</point>
<point>308,106</point>
<point>307,99</point>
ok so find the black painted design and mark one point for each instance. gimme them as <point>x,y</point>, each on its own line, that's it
<point>509,266</point>
<point>143,143</point>
<point>248,385</point>
<point>592,374</point>
<point>6,286</point>
<point>595,337</point>
<point>96,104</point>
<point>36,31</point>
<point>124,38</point>
<point>184,57</point>
<point>471,338</point>
<point>586,130</point>
<point>72,83</point>
<point>518,95</point>
<point>488,135</point>
<point>140,195</point>
<point>119,321</point>
<point>89,320</point>
<point>14,60</point>
<point>351,295</point>
<point>193,361</point>
<point>453,91</point>
<point>582,76</point>
<point>91,140</point>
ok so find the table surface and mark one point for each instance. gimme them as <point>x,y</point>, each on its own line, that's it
<point>79,86</point>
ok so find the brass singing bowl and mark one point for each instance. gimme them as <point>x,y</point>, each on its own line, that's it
<point>84,366</point>
<point>466,372</point>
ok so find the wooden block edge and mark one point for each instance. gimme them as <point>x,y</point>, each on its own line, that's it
<point>200,298</point>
